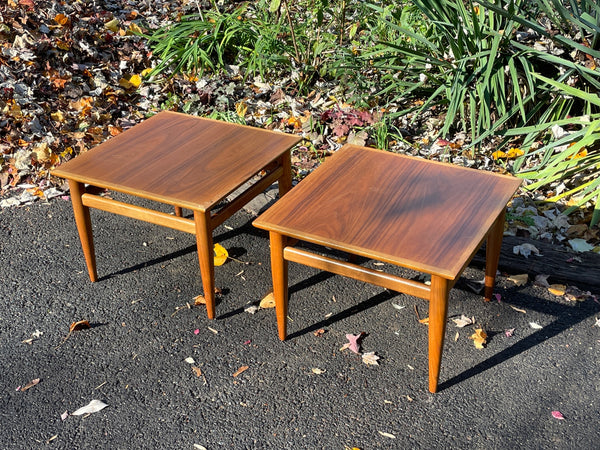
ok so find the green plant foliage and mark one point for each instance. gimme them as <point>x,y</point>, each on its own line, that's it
<point>509,68</point>
<point>212,40</point>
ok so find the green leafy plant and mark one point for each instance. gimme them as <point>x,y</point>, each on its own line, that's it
<point>463,62</point>
<point>572,31</point>
<point>210,41</point>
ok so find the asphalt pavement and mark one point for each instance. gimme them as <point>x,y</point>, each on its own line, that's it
<point>245,389</point>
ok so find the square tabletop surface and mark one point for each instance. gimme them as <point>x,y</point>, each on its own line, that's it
<point>179,159</point>
<point>419,214</point>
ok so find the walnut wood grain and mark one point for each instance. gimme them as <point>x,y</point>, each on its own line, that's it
<point>187,162</point>
<point>418,214</point>
<point>178,159</point>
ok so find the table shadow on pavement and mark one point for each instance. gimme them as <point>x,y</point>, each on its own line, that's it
<point>566,316</point>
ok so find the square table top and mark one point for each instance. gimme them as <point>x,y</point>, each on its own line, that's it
<point>423,215</point>
<point>179,159</point>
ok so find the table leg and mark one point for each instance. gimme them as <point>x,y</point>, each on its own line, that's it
<point>285,181</point>
<point>179,211</point>
<point>279,269</point>
<point>438,310</point>
<point>493,246</point>
<point>206,257</point>
<point>84,227</point>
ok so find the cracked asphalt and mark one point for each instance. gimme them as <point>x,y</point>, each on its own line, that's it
<point>133,357</point>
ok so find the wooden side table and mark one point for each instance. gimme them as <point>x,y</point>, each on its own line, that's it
<point>186,161</point>
<point>421,215</point>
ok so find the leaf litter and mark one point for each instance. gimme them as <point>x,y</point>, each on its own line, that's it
<point>92,407</point>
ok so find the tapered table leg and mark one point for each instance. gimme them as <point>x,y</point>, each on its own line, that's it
<point>179,211</point>
<point>279,269</point>
<point>285,181</point>
<point>438,310</point>
<point>84,227</point>
<point>204,244</point>
<point>493,246</point>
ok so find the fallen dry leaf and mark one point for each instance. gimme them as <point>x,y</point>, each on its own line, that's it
<point>31,384</point>
<point>526,250</point>
<point>463,321</point>
<point>81,325</point>
<point>353,343</point>
<point>370,359</point>
<point>252,309</point>
<point>479,338</point>
<point>518,309</point>
<point>519,280</point>
<point>221,255</point>
<point>319,333</point>
<point>558,415</point>
<point>199,300</point>
<point>318,371</point>
<point>268,301</point>
<point>197,371</point>
<point>240,371</point>
<point>387,435</point>
<point>424,321</point>
<point>557,289</point>
<point>189,360</point>
<point>509,332</point>
<point>91,407</point>
<point>542,280</point>
<point>535,325</point>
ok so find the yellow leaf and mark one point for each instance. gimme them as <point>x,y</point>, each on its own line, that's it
<point>424,321</point>
<point>241,108</point>
<point>498,154</point>
<point>514,153</point>
<point>112,25</point>
<point>221,255</point>
<point>581,154</point>
<point>61,19</point>
<point>146,71</point>
<point>57,116</point>
<point>131,81</point>
<point>479,337</point>
<point>268,301</point>
<point>199,300</point>
<point>295,122</point>
<point>134,29</point>
<point>557,289</point>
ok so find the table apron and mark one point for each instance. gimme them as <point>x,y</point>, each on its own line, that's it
<point>139,213</point>
<point>357,272</point>
<point>258,187</point>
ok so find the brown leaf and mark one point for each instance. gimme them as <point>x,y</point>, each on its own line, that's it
<point>31,384</point>
<point>240,370</point>
<point>268,301</point>
<point>199,300</point>
<point>76,326</point>
<point>577,230</point>
<point>197,371</point>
